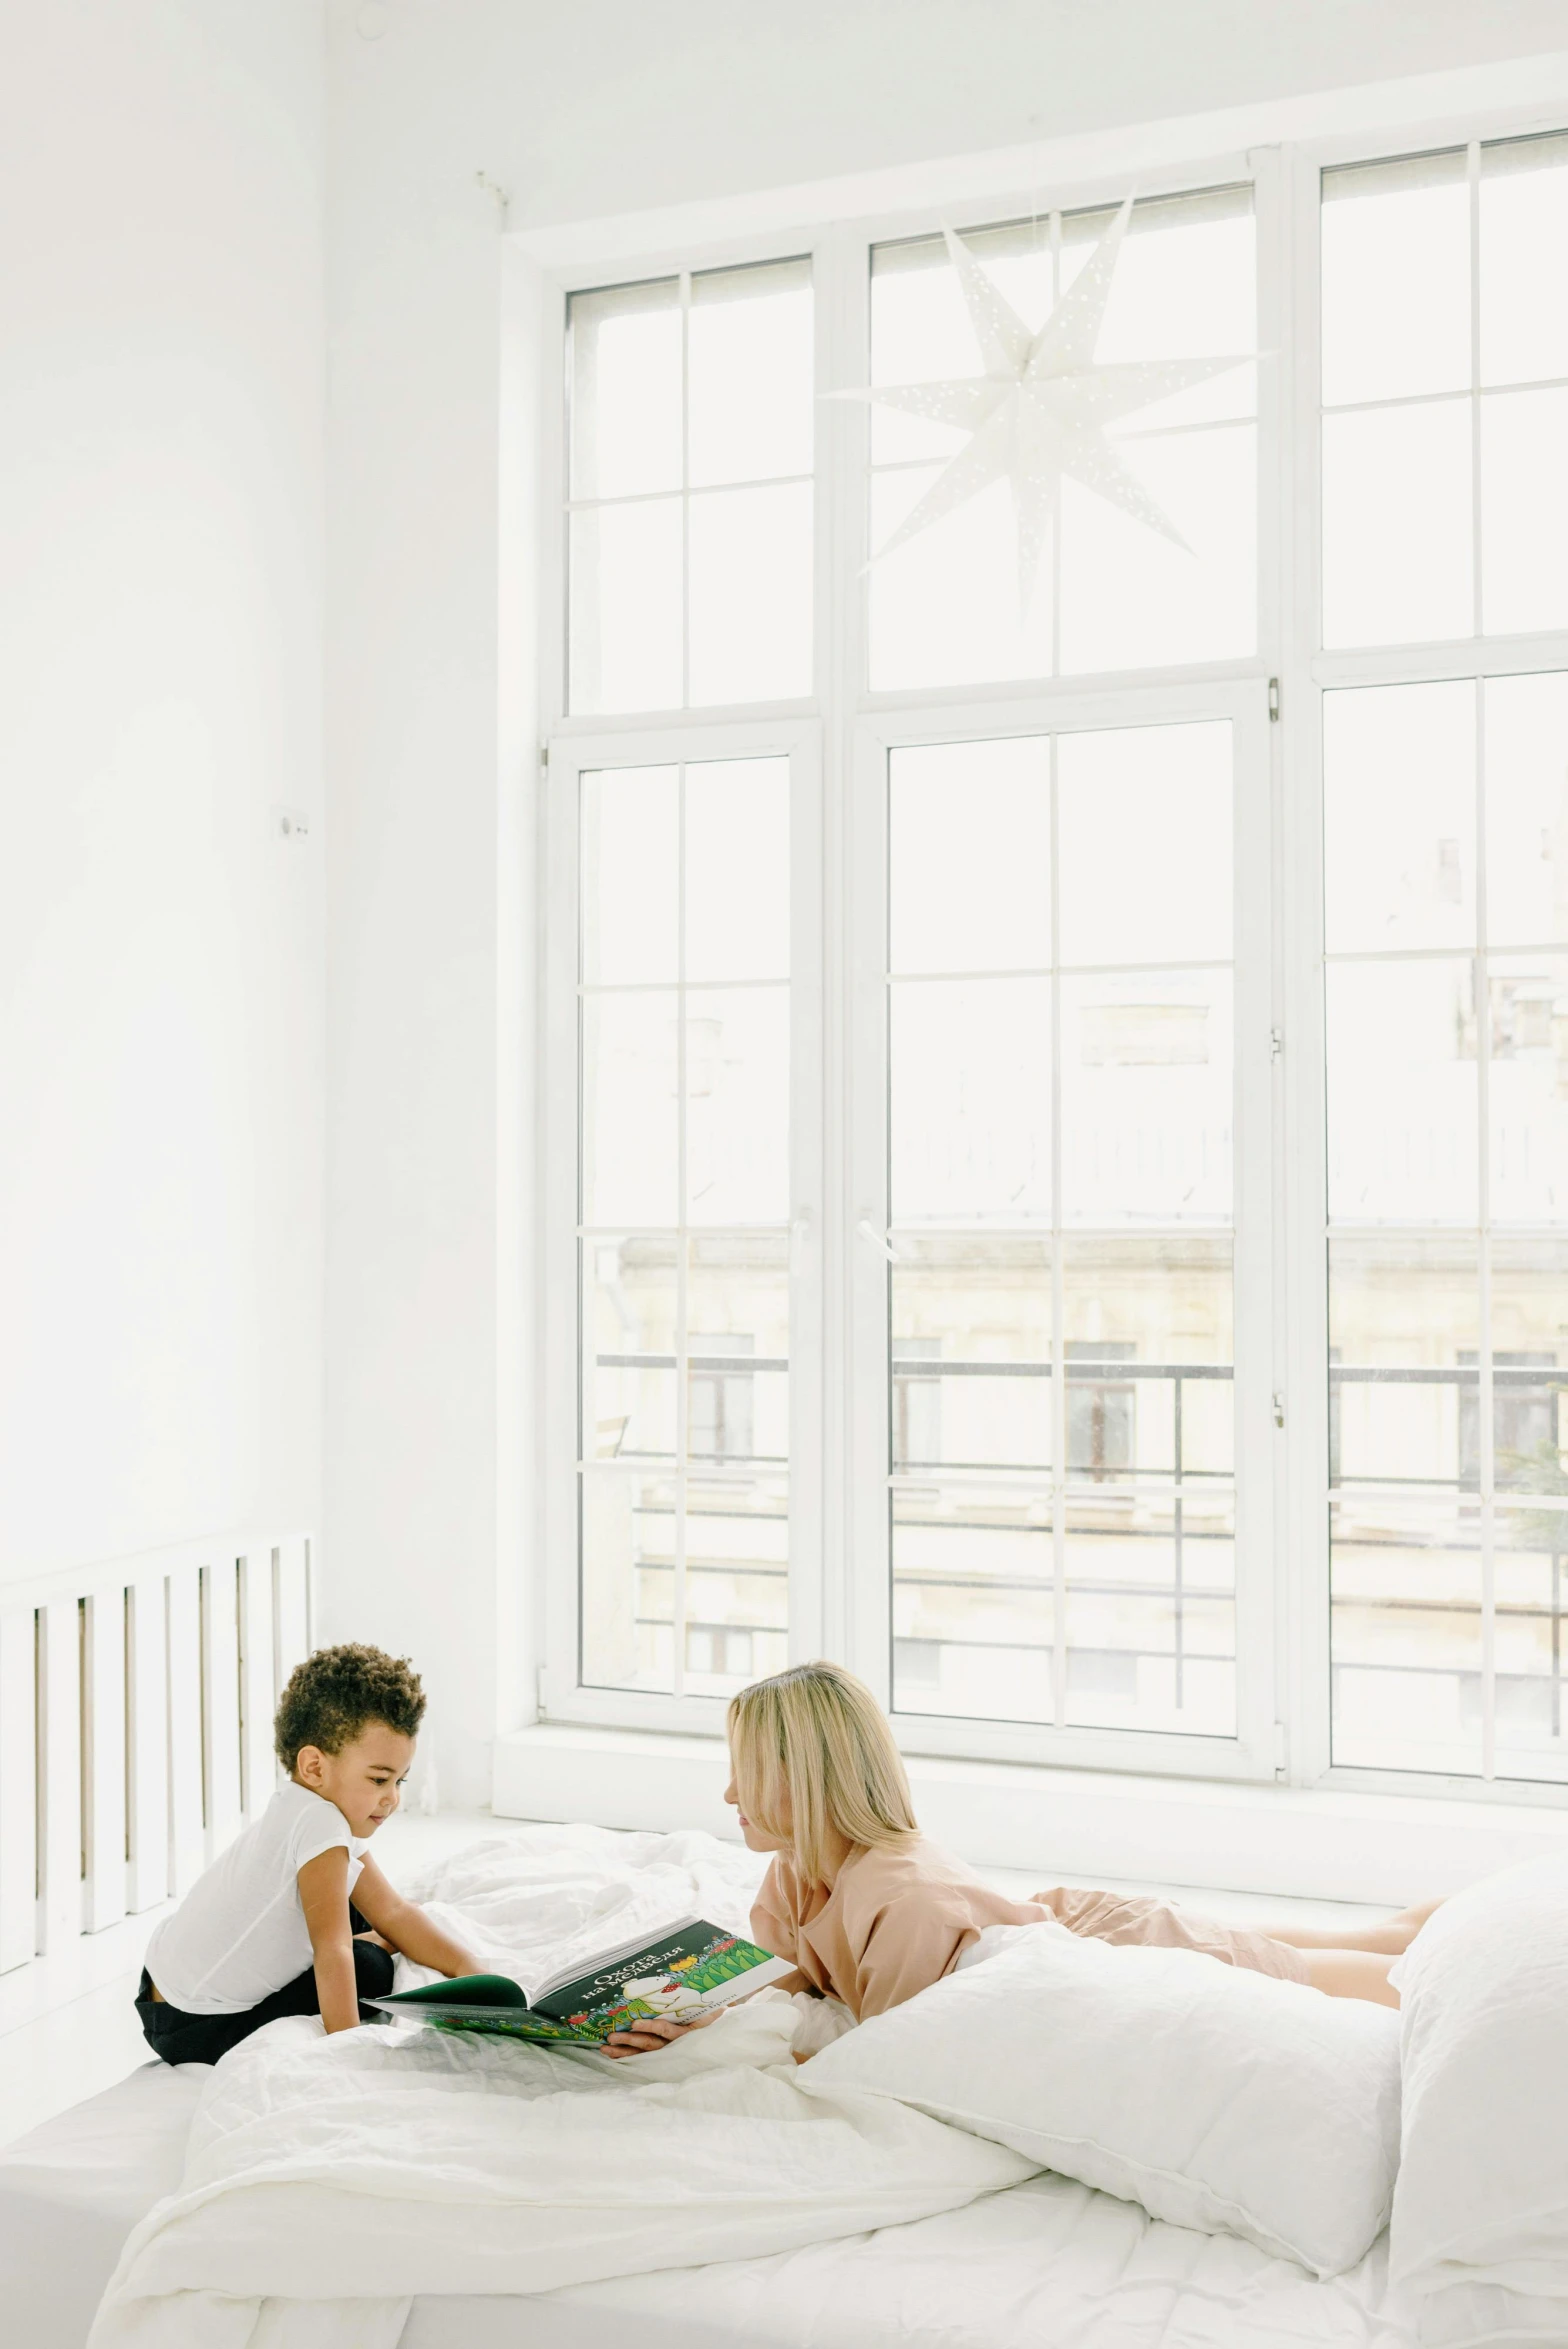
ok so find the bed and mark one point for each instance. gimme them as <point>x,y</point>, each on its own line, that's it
<point>1046,2263</point>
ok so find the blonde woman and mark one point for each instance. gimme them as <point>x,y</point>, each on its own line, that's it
<point>872,1914</point>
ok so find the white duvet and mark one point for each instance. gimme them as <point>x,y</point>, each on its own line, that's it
<point>330,2184</point>
<point>329,2180</point>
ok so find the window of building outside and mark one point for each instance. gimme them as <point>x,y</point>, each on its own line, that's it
<point>1014,1420</point>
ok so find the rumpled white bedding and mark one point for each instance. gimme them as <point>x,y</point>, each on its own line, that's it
<point>327,2181</point>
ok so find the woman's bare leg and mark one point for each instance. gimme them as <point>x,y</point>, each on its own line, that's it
<point>1389,1939</point>
<point>1352,1973</point>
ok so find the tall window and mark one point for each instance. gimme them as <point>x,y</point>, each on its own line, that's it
<point>1060,1182</point>
<point>1445,467</point>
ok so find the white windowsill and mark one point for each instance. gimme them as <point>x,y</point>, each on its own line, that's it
<point>1066,1825</point>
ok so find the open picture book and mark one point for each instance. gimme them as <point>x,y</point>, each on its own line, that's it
<point>678,1976</point>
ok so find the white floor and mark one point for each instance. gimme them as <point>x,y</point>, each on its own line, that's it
<point>86,2045</point>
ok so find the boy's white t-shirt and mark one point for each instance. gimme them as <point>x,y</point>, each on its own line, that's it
<point>240,1932</point>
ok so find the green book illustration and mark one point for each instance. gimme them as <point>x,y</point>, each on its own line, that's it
<point>678,1975</point>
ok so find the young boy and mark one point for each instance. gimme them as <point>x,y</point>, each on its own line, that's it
<point>269,1929</point>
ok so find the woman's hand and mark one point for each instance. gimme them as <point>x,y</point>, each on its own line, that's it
<point>654,2034</point>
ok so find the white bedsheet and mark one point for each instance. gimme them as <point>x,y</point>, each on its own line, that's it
<point>1043,2263</point>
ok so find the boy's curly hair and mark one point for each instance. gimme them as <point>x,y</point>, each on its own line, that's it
<point>334,1693</point>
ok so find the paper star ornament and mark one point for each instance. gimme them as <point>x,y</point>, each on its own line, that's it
<point>1039,412</point>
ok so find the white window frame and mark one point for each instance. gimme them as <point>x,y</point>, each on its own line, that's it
<point>838,1291</point>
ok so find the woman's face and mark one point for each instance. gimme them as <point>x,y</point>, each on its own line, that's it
<point>775,1838</point>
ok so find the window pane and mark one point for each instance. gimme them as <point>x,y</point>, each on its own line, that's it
<point>1138,1326</point>
<point>1524,511</point>
<point>1397,525</point>
<point>626,607</point>
<point>971,1351</point>
<point>1130,597</point>
<point>969,843</point>
<point>920,329</point>
<point>973,1602</point>
<point>971,1100</point>
<point>630,901</point>
<point>1527,810</point>
<point>1402,1099</point>
<point>1404,1337</point>
<point>1399,817</point>
<point>1149,1358</point>
<point>630,1095</point>
<point>1406,1606</point>
<point>1528,1089</point>
<point>1151,1623</point>
<point>737,869</point>
<point>1147,1098</point>
<point>1396,278</point>
<point>737,1105</point>
<point>1532,1638</point>
<point>737,1317</point>
<point>685,1335</point>
<point>737,1582</point>
<point>626,390</point>
<point>751,595</point>
<point>629,1348</point>
<point>1185,288</point>
<point>749,351</point>
<point>1524,232</point>
<point>683,591</point>
<point>944,607</point>
<point>1145,843</point>
<point>628,1552</point>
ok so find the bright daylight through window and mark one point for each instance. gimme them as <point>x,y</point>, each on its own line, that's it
<point>941,747</point>
<point>1445,387</point>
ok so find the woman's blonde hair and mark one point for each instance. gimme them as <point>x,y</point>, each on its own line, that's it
<point>818,1734</point>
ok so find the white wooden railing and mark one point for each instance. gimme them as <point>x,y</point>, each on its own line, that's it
<point>136,1706</point>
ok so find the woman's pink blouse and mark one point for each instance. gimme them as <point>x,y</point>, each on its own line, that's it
<point>896,1920</point>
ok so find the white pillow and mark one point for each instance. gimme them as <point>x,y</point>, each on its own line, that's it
<point>1218,2099</point>
<point>1480,2225</point>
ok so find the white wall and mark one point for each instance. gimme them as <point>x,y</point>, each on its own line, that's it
<point>599,107</point>
<point>612,105</point>
<point>161,561</point>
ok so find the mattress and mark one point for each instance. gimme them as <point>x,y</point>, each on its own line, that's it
<point>1045,2265</point>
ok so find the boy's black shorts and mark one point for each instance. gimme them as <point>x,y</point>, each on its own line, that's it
<point>200,2039</point>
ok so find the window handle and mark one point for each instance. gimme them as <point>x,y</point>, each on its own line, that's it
<point>876,1238</point>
